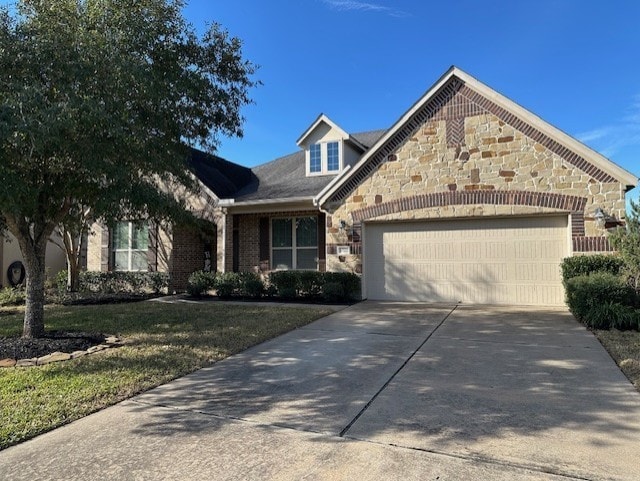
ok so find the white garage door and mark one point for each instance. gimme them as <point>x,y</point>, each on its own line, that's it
<point>484,261</point>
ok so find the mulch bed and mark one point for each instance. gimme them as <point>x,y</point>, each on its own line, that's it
<point>21,348</point>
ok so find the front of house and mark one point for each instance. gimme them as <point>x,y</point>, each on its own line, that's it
<point>468,197</point>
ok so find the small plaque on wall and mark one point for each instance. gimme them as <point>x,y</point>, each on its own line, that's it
<point>344,250</point>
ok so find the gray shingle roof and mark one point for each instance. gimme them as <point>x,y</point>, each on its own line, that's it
<point>286,176</point>
<point>222,177</point>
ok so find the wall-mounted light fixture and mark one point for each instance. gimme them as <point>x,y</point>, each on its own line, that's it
<point>343,225</point>
<point>600,218</point>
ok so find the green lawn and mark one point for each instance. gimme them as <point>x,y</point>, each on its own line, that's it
<point>163,341</point>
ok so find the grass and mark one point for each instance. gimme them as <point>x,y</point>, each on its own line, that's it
<point>624,348</point>
<point>163,341</point>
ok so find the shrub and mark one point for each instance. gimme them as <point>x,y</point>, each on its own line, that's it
<point>227,284</point>
<point>200,282</point>
<point>285,282</point>
<point>626,240</point>
<point>350,283</point>
<point>586,292</point>
<point>123,282</point>
<point>608,315</point>
<point>287,293</point>
<point>12,296</point>
<point>588,264</point>
<point>333,292</point>
<point>310,283</point>
<point>250,285</point>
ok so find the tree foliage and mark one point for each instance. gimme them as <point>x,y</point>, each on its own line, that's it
<point>99,102</point>
<point>626,240</point>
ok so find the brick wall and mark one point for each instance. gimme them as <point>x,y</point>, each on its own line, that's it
<point>248,229</point>
<point>188,256</point>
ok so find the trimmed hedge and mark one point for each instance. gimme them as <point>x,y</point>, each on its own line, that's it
<point>587,264</point>
<point>588,294</point>
<point>117,282</point>
<point>312,285</point>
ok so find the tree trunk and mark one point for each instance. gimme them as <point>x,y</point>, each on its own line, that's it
<point>34,311</point>
<point>72,247</point>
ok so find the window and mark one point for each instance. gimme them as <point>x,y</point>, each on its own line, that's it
<point>294,243</point>
<point>324,158</point>
<point>315,159</point>
<point>130,244</point>
<point>333,159</point>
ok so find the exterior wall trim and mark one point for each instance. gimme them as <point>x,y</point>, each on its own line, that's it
<point>571,204</point>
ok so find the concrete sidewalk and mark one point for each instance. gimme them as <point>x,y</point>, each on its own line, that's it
<point>374,391</point>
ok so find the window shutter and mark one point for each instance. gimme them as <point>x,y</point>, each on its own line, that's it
<point>105,249</point>
<point>322,242</point>
<point>152,248</point>
<point>264,243</point>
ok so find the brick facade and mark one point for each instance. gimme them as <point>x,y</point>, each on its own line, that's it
<point>247,228</point>
<point>463,156</point>
<point>189,254</point>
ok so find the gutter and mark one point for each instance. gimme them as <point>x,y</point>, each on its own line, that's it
<point>258,202</point>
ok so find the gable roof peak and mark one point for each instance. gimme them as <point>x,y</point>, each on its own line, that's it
<point>321,119</point>
<point>448,80</point>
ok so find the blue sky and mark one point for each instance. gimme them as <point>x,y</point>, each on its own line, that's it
<point>363,63</point>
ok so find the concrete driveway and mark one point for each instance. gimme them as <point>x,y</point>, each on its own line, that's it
<point>375,391</point>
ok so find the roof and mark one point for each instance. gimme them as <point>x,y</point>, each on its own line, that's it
<point>222,177</point>
<point>286,177</point>
<point>345,180</point>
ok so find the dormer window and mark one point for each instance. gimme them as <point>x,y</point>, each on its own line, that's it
<point>333,157</point>
<point>324,158</point>
<point>315,159</point>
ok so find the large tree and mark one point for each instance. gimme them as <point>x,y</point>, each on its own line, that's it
<point>99,100</point>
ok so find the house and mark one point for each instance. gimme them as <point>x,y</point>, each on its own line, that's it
<point>466,197</point>
<point>12,263</point>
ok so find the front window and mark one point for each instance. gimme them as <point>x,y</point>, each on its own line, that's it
<point>315,159</point>
<point>130,244</point>
<point>294,243</point>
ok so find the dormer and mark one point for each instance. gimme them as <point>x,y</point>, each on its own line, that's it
<point>328,148</point>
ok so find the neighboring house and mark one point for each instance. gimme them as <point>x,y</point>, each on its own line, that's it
<point>11,258</point>
<point>466,197</point>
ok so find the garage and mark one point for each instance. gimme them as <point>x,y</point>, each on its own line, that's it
<point>513,260</point>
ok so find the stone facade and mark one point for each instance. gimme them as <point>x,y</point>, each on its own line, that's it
<point>465,161</point>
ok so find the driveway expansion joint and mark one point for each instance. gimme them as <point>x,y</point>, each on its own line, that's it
<point>384,386</point>
<point>479,459</point>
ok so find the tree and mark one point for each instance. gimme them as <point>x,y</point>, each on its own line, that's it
<point>626,240</point>
<point>99,103</point>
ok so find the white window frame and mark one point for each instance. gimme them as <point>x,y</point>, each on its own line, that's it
<point>294,244</point>
<point>129,250</point>
<point>324,158</point>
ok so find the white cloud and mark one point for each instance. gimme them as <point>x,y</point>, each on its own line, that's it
<point>355,5</point>
<point>609,139</point>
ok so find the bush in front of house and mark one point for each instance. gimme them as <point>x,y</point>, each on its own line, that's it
<point>588,264</point>
<point>200,282</point>
<point>588,294</point>
<point>350,283</point>
<point>289,285</point>
<point>123,282</point>
<point>12,296</point>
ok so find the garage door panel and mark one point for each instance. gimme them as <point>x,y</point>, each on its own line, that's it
<point>497,261</point>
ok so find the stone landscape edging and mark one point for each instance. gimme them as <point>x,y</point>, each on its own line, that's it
<point>108,343</point>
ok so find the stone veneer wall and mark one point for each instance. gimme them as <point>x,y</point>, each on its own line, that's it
<point>467,162</point>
